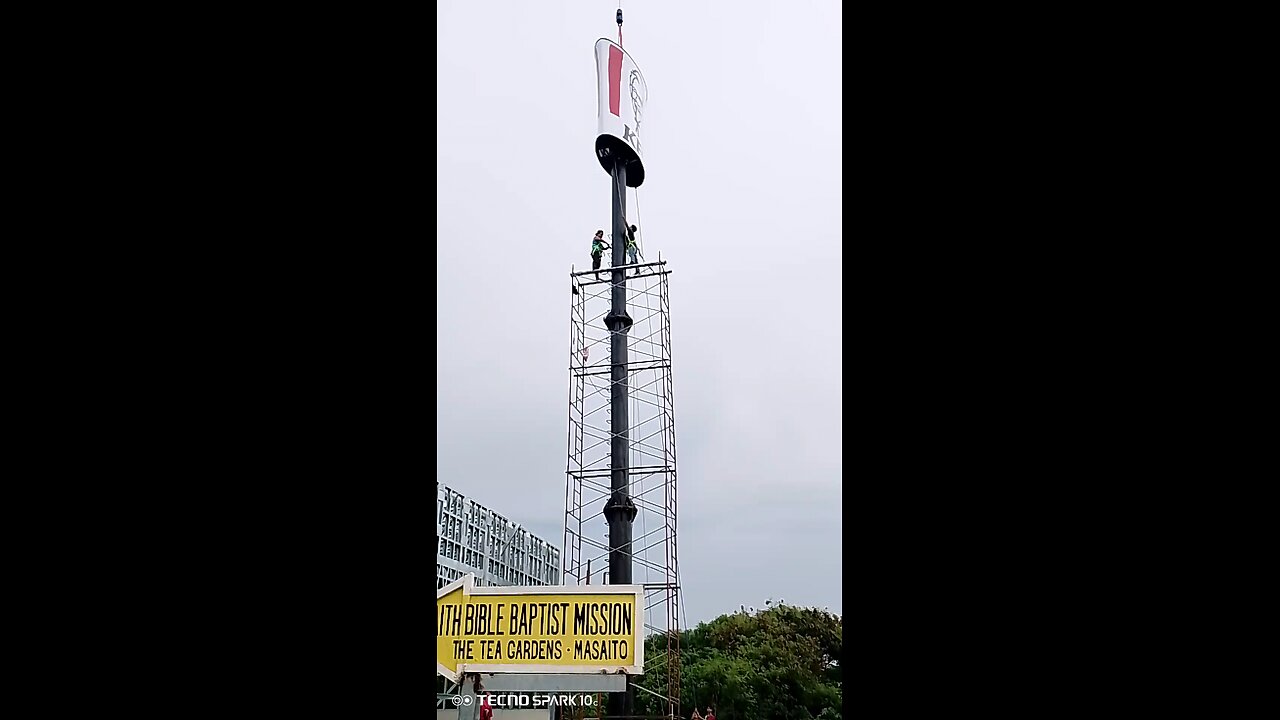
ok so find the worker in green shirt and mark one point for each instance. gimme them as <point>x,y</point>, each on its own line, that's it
<point>632,249</point>
<point>598,246</point>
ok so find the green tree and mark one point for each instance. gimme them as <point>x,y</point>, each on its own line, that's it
<point>782,662</point>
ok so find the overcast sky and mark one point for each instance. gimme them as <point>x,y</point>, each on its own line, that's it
<point>742,194</point>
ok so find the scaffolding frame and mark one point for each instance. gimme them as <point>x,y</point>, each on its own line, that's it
<point>651,455</point>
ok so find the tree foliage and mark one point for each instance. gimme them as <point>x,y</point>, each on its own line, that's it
<point>781,663</point>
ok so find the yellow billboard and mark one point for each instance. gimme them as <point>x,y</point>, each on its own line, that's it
<point>539,629</point>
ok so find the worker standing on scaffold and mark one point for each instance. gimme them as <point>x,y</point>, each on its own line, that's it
<point>598,246</point>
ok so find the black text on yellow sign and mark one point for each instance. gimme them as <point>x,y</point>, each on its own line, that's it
<point>544,630</point>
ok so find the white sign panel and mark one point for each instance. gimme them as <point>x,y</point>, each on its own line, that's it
<point>622,99</point>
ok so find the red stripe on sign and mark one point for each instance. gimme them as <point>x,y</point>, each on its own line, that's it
<point>615,78</point>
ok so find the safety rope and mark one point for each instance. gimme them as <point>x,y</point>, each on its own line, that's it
<point>639,226</point>
<point>622,203</point>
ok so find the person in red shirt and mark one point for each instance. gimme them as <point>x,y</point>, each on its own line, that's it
<point>711,715</point>
<point>486,712</point>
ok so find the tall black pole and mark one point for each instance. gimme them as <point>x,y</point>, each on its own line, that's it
<point>620,511</point>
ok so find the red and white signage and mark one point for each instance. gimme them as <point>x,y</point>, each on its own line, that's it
<point>622,99</point>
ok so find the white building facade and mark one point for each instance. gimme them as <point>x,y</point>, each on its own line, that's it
<point>475,539</point>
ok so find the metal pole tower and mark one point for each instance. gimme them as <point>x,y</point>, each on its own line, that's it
<point>630,518</point>
<point>622,505</point>
<point>620,511</point>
